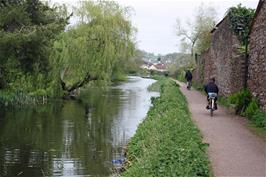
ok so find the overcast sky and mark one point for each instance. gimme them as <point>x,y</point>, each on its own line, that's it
<point>155,19</point>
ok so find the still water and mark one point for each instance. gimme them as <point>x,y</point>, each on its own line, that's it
<point>73,138</point>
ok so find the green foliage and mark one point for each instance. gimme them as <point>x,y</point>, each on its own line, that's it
<point>198,86</point>
<point>182,72</point>
<point>99,45</point>
<point>224,101</point>
<point>156,87</point>
<point>247,106</point>
<point>205,22</point>
<point>17,98</point>
<point>241,18</point>
<point>241,100</point>
<point>259,119</point>
<point>28,29</point>
<point>252,107</point>
<point>181,76</point>
<point>36,55</point>
<point>167,143</point>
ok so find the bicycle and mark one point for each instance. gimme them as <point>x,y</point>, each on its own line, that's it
<point>211,102</point>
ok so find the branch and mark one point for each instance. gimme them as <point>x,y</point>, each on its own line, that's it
<point>81,83</point>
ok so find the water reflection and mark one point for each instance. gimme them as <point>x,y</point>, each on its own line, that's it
<point>72,138</point>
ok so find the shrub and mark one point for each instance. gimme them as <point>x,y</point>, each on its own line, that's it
<point>259,119</point>
<point>241,101</point>
<point>251,108</point>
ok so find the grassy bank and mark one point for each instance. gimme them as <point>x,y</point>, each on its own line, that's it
<point>167,143</point>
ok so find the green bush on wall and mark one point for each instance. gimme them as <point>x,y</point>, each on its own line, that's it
<point>241,100</point>
<point>252,108</point>
<point>259,119</point>
<point>249,107</point>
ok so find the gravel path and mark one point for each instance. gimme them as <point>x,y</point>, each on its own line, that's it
<point>233,149</point>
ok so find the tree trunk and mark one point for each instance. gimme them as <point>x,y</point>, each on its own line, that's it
<point>69,92</point>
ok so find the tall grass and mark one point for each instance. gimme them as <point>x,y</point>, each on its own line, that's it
<point>19,98</point>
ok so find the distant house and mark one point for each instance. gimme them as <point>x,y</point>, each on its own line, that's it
<point>158,67</point>
<point>146,65</point>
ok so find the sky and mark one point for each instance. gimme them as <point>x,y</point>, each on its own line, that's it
<point>155,19</point>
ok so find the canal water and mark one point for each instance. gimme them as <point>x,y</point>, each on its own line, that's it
<point>73,138</point>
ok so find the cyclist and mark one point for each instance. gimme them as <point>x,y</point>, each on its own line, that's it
<point>211,89</point>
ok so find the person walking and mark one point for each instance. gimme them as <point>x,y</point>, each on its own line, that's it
<point>188,77</point>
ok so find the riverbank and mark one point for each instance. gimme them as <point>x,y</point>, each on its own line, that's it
<point>167,143</point>
<point>17,98</point>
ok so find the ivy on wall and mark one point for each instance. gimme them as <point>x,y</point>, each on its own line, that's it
<point>241,19</point>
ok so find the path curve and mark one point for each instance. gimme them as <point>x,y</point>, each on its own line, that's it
<point>233,149</point>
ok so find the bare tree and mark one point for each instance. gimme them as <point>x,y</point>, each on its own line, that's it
<point>196,32</point>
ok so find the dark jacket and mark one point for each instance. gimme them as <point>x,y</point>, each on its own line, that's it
<point>188,76</point>
<point>211,87</point>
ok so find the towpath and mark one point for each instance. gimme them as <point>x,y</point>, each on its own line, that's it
<point>234,150</point>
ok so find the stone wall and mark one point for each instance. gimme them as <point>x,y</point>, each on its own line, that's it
<point>198,73</point>
<point>209,67</point>
<point>257,60</point>
<point>229,69</point>
<point>223,60</point>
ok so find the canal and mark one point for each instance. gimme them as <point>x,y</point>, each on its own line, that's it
<point>73,138</point>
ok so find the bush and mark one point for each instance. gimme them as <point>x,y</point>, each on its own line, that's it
<point>247,106</point>
<point>251,108</point>
<point>241,101</point>
<point>259,119</point>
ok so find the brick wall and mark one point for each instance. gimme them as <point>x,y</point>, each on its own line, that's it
<point>257,60</point>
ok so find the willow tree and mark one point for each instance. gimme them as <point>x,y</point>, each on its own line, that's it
<point>94,47</point>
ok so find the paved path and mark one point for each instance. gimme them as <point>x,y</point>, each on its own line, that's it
<point>233,149</point>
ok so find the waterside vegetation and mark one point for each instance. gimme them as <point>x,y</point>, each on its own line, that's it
<point>42,56</point>
<point>167,143</point>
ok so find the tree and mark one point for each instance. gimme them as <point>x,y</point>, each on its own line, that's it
<point>95,47</point>
<point>27,30</point>
<point>195,34</point>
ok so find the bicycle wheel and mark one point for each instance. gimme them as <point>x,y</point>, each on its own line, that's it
<point>212,107</point>
<point>211,112</point>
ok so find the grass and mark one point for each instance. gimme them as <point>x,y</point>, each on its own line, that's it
<point>156,87</point>
<point>167,143</point>
<point>16,98</point>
